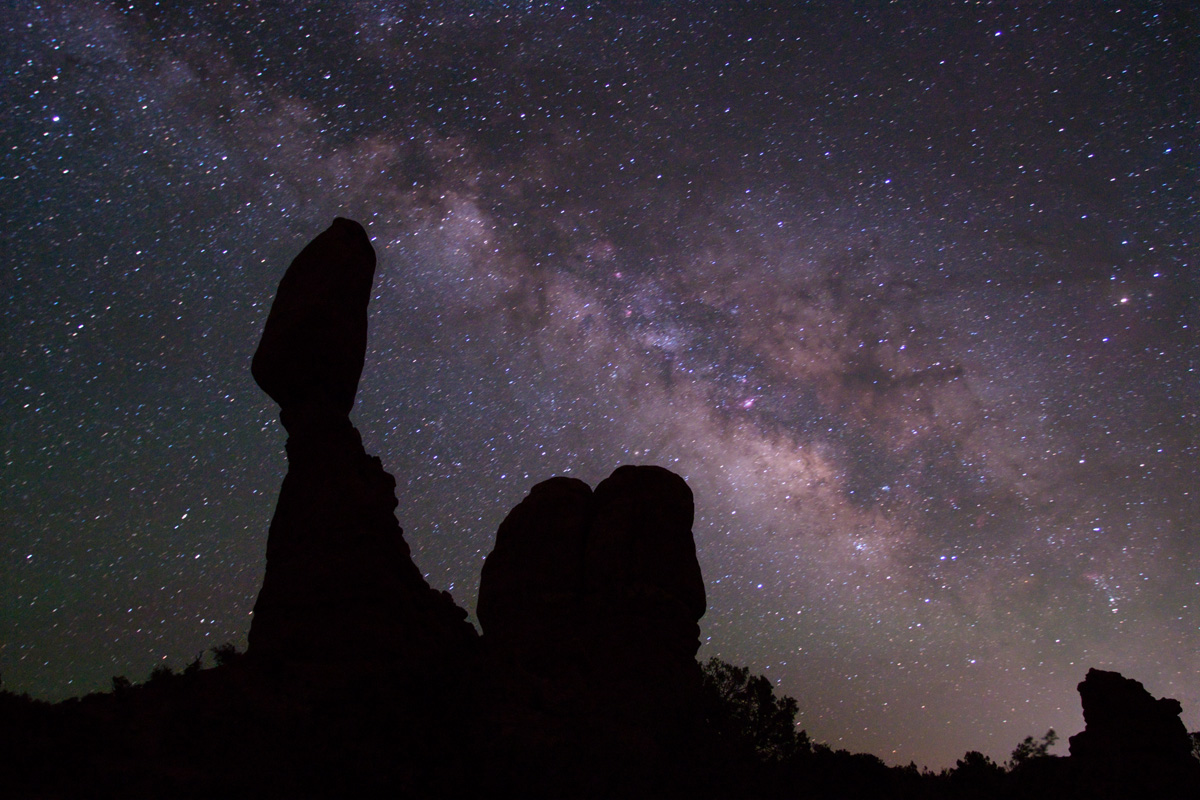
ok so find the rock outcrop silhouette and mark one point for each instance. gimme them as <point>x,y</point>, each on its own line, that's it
<point>340,584</point>
<point>589,605</point>
<point>567,559</point>
<point>1131,739</point>
<point>315,341</point>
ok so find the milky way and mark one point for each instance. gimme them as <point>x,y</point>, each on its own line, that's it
<point>906,292</point>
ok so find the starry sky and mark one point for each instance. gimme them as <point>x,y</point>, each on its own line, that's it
<point>906,291</point>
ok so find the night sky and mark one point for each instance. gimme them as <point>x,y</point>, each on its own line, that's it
<point>906,291</point>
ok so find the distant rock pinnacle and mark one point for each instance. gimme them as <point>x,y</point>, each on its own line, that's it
<point>1132,739</point>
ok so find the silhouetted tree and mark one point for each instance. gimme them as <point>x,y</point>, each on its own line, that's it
<point>225,654</point>
<point>744,708</point>
<point>121,684</point>
<point>1031,748</point>
<point>161,675</point>
<point>976,775</point>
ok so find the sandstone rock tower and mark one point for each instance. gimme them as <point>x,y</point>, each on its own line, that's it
<point>340,585</point>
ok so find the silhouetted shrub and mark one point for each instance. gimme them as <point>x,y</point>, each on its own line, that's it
<point>225,654</point>
<point>1031,748</point>
<point>976,775</point>
<point>161,675</point>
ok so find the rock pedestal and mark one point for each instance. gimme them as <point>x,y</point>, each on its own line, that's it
<point>340,585</point>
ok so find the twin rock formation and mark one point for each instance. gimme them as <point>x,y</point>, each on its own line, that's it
<point>589,602</point>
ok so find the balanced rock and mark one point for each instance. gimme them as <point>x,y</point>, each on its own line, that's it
<point>340,585</point>
<point>315,340</point>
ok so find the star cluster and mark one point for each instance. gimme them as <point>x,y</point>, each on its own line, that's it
<point>907,292</point>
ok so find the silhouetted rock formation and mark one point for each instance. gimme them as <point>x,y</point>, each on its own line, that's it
<point>1130,739</point>
<point>589,605</point>
<point>640,561</point>
<point>363,681</point>
<point>340,584</point>
<point>315,340</point>
<point>566,557</point>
